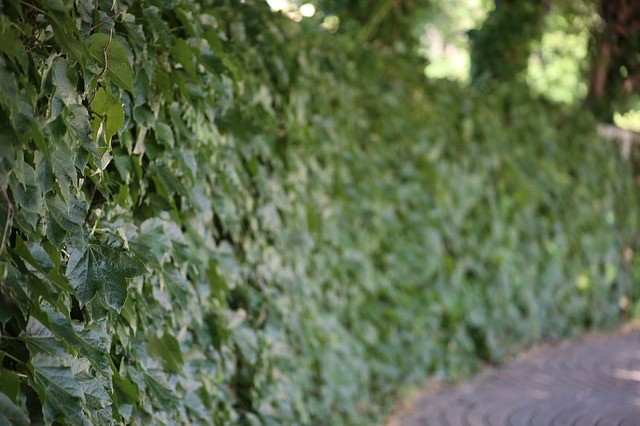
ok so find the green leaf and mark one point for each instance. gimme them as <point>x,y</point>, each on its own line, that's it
<point>63,164</point>
<point>65,29</point>
<point>86,342</point>
<point>158,386</point>
<point>57,5</point>
<point>167,349</point>
<point>11,414</point>
<point>247,342</point>
<point>9,383</point>
<point>40,339</point>
<point>110,115</point>
<point>184,55</point>
<point>165,134</point>
<point>63,220</point>
<point>153,245</point>
<point>43,264</point>
<point>104,269</point>
<point>12,45</point>
<point>59,391</point>
<point>65,89</point>
<point>94,392</point>
<point>29,195</point>
<point>119,68</point>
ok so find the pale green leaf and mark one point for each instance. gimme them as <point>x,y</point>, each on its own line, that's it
<point>40,339</point>
<point>85,342</point>
<point>95,393</point>
<point>119,68</point>
<point>65,89</point>
<point>167,349</point>
<point>63,220</point>
<point>59,391</point>
<point>11,414</point>
<point>165,134</point>
<point>108,115</point>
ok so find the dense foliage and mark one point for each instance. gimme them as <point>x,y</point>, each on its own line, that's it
<point>214,214</point>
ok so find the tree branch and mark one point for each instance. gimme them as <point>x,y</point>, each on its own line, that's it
<point>626,137</point>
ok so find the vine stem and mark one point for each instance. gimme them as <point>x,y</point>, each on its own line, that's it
<point>9,217</point>
<point>8,355</point>
<point>106,48</point>
<point>33,7</point>
<point>104,21</point>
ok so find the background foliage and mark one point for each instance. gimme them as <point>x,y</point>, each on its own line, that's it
<point>216,214</point>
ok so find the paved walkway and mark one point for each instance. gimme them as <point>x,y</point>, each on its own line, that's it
<point>592,382</point>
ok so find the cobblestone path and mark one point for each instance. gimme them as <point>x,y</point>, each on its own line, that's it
<point>588,383</point>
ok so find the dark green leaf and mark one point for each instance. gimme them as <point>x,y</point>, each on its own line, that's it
<point>12,45</point>
<point>102,269</point>
<point>184,56</point>
<point>9,383</point>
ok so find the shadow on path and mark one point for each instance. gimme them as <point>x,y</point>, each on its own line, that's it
<point>595,381</point>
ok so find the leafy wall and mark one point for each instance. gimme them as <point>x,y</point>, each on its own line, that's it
<point>216,215</point>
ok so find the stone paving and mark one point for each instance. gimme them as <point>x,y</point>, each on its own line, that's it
<point>594,382</point>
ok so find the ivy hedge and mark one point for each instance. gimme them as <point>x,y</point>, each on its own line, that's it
<point>212,214</point>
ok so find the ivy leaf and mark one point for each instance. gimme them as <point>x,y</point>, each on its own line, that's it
<point>96,395</point>
<point>12,45</point>
<point>119,68</point>
<point>10,413</point>
<point>110,115</point>
<point>105,269</point>
<point>156,381</point>
<point>184,55</point>
<point>165,134</point>
<point>64,169</point>
<point>59,391</point>
<point>41,261</point>
<point>64,28</point>
<point>9,383</point>
<point>65,219</point>
<point>40,339</point>
<point>153,245</point>
<point>166,348</point>
<point>65,88</point>
<point>86,342</point>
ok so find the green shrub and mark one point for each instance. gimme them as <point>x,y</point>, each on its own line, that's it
<point>217,215</point>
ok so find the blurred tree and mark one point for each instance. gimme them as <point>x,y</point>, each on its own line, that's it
<point>390,23</point>
<point>614,76</point>
<point>500,49</point>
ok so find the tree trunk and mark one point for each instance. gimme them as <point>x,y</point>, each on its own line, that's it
<point>615,66</point>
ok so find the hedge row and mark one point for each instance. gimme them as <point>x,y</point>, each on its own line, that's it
<point>216,215</point>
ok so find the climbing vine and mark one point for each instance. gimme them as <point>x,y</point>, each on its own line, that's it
<point>211,213</point>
